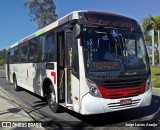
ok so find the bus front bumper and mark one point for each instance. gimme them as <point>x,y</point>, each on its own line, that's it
<point>95,105</point>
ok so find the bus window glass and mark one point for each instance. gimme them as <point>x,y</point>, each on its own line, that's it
<point>69,42</point>
<point>12,55</point>
<point>23,52</point>
<point>33,50</point>
<point>48,47</point>
<point>106,53</point>
<point>16,54</point>
<point>41,48</point>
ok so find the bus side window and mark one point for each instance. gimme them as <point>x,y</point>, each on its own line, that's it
<point>23,52</point>
<point>75,64</point>
<point>16,54</point>
<point>12,55</point>
<point>7,57</point>
<point>41,48</point>
<point>32,54</point>
<point>49,47</point>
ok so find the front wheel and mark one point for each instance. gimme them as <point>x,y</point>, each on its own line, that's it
<point>51,99</point>
<point>16,87</point>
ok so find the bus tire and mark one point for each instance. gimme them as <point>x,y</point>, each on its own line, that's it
<point>51,99</point>
<point>16,87</point>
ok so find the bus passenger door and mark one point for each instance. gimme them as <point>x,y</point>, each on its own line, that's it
<point>60,68</point>
<point>68,67</point>
<point>64,67</point>
<point>68,83</point>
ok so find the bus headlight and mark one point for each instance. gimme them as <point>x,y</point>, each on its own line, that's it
<point>148,84</point>
<point>93,89</point>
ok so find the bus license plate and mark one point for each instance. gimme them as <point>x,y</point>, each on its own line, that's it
<point>125,102</point>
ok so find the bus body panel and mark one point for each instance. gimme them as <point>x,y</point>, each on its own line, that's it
<point>94,105</point>
<point>22,75</point>
<point>30,76</point>
<point>52,75</point>
<point>35,75</point>
<point>75,93</point>
<point>84,89</point>
<point>6,72</point>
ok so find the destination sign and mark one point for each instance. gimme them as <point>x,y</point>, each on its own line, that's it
<point>104,65</point>
<point>110,20</point>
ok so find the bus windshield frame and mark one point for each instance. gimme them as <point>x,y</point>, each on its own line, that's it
<point>129,55</point>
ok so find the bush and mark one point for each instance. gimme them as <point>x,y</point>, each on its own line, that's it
<point>155,74</point>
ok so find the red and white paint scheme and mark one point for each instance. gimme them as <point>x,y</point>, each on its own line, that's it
<point>88,61</point>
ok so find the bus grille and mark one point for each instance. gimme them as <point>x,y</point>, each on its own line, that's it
<point>124,83</point>
<point>117,105</point>
<point>121,92</point>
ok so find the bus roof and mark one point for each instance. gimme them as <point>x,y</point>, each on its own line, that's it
<point>71,16</point>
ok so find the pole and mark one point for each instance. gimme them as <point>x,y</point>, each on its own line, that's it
<point>153,47</point>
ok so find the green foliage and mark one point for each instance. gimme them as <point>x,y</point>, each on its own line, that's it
<point>147,25</point>
<point>155,74</point>
<point>150,23</point>
<point>41,11</point>
<point>157,23</point>
<point>2,57</point>
<point>1,62</point>
<point>2,54</point>
<point>148,39</point>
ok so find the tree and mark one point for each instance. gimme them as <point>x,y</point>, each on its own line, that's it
<point>152,23</point>
<point>2,57</point>
<point>2,54</point>
<point>41,11</point>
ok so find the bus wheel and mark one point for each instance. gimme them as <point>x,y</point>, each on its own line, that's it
<point>16,87</point>
<point>51,99</point>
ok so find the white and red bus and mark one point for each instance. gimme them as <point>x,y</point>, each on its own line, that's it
<point>88,61</point>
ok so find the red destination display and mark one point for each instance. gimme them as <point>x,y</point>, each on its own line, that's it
<point>110,20</point>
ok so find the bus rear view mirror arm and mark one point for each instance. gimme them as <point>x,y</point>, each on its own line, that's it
<point>77,31</point>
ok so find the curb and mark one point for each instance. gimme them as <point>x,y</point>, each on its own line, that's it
<point>157,89</point>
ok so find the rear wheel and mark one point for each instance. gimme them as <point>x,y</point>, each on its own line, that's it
<point>51,99</point>
<point>16,87</point>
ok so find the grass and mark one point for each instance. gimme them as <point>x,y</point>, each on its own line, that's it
<point>155,74</point>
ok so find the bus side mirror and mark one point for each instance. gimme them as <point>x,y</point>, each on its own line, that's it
<point>77,30</point>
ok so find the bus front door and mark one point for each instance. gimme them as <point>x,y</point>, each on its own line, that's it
<point>68,66</point>
<point>65,66</point>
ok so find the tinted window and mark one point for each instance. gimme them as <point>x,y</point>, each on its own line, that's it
<point>12,55</point>
<point>75,56</point>
<point>69,42</point>
<point>7,56</point>
<point>41,48</point>
<point>48,47</point>
<point>23,52</point>
<point>16,54</point>
<point>32,52</point>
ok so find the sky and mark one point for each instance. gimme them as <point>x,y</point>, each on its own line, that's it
<point>15,22</point>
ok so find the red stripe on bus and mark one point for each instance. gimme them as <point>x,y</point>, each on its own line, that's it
<point>122,92</point>
<point>54,75</point>
<point>25,40</point>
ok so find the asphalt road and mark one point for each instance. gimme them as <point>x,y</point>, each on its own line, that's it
<point>37,108</point>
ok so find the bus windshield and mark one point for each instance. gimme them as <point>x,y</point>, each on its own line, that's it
<point>114,51</point>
